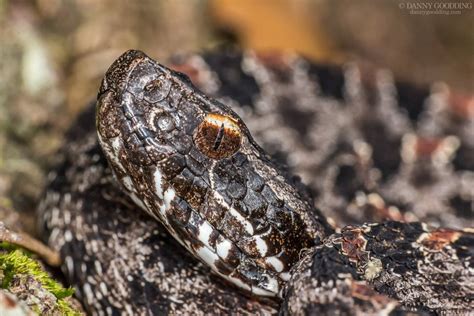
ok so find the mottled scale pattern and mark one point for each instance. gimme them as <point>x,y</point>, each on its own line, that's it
<point>368,148</point>
<point>311,290</point>
<point>408,262</point>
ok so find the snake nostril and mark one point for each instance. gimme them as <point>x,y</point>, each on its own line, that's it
<point>218,136</point>
<point>149,82</point>
<point>157,89</point>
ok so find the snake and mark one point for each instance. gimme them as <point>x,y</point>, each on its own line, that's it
<point>163,202</point>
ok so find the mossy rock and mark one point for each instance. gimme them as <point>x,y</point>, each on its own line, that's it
<point>25,278</point>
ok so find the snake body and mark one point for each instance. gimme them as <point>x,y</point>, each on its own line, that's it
<point>190,162</point>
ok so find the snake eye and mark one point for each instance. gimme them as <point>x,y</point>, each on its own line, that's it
<point>218,136</point>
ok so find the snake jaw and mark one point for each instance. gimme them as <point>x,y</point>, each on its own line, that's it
<point>191,163</point>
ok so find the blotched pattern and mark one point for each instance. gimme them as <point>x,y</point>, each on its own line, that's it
<point>370,149</point>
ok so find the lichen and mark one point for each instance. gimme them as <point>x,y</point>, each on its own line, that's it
<point>373,269</point>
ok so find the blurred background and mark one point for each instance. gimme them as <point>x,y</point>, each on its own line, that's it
<point>54,53</point>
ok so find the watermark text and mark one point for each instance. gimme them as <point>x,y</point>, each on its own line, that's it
<point>435,8</point>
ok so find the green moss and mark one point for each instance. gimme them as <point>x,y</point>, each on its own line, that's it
<point>15,262</point>
<point>10,247</point>
<point>66,309</point>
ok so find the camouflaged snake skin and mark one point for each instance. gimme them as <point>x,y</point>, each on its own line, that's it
<point>240,212</point>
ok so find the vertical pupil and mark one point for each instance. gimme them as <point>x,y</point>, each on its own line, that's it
<point>220,135</point>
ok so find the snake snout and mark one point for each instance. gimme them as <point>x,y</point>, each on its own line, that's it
<point>116,76</point>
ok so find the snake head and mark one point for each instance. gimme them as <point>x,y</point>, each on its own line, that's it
<point>153,110</point>
<point>190,162</point>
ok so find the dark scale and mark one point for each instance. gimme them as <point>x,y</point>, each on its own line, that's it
<point>191,163</point>
<point>237,189</point>
<point>235,82</point>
